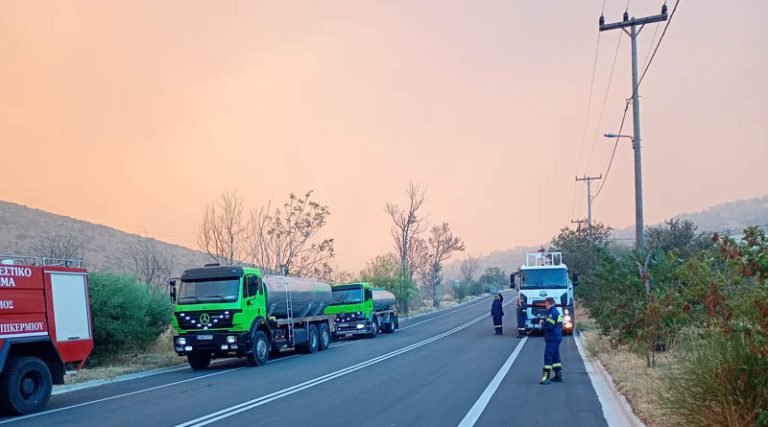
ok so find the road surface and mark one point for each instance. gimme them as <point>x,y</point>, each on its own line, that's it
<point>443,369</point>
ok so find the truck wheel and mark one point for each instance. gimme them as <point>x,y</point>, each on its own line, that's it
<point>390,326</point>
<point>198,362</point>
<point>260,352</point>
<point>374,328</point>
<point>325,337</point>
<point>313,341</point>
<point>25,385</point>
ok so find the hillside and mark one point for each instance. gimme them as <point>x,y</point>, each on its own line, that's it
<point>731,217</point>
<point>104,248</point>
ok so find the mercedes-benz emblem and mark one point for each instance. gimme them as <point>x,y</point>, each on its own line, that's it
<point>205,319</point>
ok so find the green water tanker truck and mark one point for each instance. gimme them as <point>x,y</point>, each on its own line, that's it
<point>361,309</point>
<point>234,311</point>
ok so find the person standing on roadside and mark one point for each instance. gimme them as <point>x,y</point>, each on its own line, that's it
<point>553,335</point>
<point>521,316</point>
<point>497,313</point>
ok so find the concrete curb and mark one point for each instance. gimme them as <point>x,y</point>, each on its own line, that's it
<point>616,409</point>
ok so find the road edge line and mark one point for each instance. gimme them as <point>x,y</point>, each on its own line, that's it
<point>616,409</point>
<point>481,403</point>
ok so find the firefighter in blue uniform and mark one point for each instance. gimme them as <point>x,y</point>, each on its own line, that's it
<point>553,334</point>
<point>521,317</point>
<point>497,313</point>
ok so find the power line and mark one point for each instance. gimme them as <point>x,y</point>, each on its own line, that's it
<point>626,107</point>
<point>613,154</point>
<point>605,102</point>
<point>656,49</point>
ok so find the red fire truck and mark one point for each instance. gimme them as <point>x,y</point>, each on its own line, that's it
<point>45,323</point>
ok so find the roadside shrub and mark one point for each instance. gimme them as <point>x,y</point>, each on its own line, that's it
<point>128,316</point>
<point>718,381</point>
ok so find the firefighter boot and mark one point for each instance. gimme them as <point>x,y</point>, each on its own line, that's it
<point>558,377</point>
<point>545,376</point>
<point>520,332</point>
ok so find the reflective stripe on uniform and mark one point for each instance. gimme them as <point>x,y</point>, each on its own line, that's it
<point>550,320</point>
<point>557,365</point>
<point>547,367</point>
<point>560,319</point>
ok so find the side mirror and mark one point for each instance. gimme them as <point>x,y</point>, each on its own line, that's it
<point>512,281</point>
<point>575,278</point>
<point>172,285</point>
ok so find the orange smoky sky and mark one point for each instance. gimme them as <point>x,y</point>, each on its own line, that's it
<point>136,114</point>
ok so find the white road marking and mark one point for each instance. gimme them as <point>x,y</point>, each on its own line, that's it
<point>259,401</point>
<point>132,393</point>
<point>616,409</point>
<point>477,409</point>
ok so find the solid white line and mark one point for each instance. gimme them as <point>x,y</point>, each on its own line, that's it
<point>259,401</point>
<point>477,409</point>
<point>132,393</point>
<point>616,409</point>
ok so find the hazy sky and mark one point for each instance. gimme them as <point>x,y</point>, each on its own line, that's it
<point>136,114</point>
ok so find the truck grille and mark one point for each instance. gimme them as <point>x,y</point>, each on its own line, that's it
<point>213,319</point>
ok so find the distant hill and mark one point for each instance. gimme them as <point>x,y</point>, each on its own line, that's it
<point>731,217</point>
<point>104,248</point>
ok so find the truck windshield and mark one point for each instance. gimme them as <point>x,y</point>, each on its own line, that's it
<point>206,291</point>
<point>347,295</point>
<point>546,278</point>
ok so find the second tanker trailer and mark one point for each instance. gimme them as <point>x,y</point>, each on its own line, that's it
<point>237,311</point>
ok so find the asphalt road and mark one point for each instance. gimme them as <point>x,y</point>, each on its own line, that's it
<point>443,369</point>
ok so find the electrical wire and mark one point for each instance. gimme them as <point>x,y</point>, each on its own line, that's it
<point>656,49</point>
<point>613,154</point>
<point>605,102</point>
<point>634,93</point>
<point>589,109</point>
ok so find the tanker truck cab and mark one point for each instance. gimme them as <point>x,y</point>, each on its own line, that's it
<point>234,311</point>
<point>545,275</point>
<point>361,309</point>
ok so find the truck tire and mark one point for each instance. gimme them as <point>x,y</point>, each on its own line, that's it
<point>259,354</point>
<point>374,328</point>
<point>198,362</point>
<point>325,337</point>
<point>313,340</point>
<point>389,327</point>
<point>25,386</point>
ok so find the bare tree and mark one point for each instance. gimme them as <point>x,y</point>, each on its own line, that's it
<point>224,230</point>
<point>60,246</point>
<point>151,264</point>
<point>285,239</point>
<point>468,268</point>
<point>441,243</point>
<point>407,226</point>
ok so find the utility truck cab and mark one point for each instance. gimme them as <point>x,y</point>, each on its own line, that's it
<point>545,275</point>
<point>361,309</point>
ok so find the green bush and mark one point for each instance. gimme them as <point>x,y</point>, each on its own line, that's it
<point>127,316</point>
<point>719,381</point>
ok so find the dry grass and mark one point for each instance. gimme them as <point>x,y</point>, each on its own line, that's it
<point>639,384</point>
<point>160,355</point>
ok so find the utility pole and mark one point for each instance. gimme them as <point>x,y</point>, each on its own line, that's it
<point>579,222</point>
<point>588,180</point>
<point>633,32</point>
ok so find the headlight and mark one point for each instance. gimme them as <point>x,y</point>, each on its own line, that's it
<point>231,339</point>
<point>181,341</point>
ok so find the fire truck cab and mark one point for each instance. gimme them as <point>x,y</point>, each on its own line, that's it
<point>45,323</point>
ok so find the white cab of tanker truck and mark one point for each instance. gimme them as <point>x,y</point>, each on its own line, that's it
<point>544,275</point>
